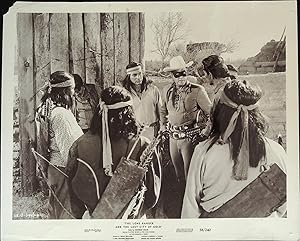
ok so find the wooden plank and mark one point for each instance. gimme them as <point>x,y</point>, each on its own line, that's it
<point>120,190</point>
<point>134,36</point>
<point>76,40</point>
<point>92,49</point>
<point>42,65</point>
<point>257,199</point>
<point>107,47</point>
<point>59,42</point>
<point>142,39</point>
<point>121,41</point>
<point>26,108</point>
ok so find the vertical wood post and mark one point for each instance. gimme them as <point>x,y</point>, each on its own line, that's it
<point>59,42</point>
<point>108,49</point>
<point>26,108</point>
<point>142,39</point>
<point>77,55</point>
<point>134,36</point>
<point>92,49</point>
<point>121,41</point>
<point>42,62</point>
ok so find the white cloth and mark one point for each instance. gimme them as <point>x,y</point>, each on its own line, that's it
<point>64,130</point>
<point>209,182</point>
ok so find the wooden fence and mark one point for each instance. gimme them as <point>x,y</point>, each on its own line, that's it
<point>97,46</point>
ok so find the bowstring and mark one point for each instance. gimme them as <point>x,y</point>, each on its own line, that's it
<point>46,180</point>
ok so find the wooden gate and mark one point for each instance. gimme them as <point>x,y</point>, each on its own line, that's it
<point>97,46</point>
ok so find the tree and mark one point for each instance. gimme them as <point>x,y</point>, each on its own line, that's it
<point>168,29</point>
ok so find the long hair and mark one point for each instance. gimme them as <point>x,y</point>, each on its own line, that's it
<point>215,65</point>
<point>122,123</point>
<point>256,122</point>
<point>78,82</point>
<point>128,85</point>
<point>60,96</point>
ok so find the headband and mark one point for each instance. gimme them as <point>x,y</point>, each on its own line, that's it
<point>134,69</point>
<point>107,155</point>
<point>240,168</point>
<point>67,83</point>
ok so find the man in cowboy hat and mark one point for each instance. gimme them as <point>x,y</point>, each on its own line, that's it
<point>184,112</point>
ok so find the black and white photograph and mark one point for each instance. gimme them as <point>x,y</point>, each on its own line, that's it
<point>154,120</point>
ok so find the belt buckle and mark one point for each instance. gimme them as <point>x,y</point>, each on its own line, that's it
<point>175,135</point>
<point>178,135</point>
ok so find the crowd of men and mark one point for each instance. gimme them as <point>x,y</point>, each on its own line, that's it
<point>137,151</point>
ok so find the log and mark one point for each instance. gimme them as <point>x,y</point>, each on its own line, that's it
<point>76,35</point>
<point>59,42</point>
<point>134,37</point>
<point>92,49</point>
<point>121,40</point>
<point>42,68</point>
<point>107,47</point>
<point>26,109</point>
<point>142,39</point>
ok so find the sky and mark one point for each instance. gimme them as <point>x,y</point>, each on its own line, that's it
<point>252,24</point>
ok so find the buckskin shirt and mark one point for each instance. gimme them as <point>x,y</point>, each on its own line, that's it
<point>147,108</point>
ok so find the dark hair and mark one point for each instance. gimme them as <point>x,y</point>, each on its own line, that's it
<point>128,85</point>
<point>122,123</point>
<point>241,93</point>
<point>59,95</point>
<point>215,65</point>
<point>78,82</point>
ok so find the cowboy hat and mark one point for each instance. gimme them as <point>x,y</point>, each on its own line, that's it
<point>177,63</point>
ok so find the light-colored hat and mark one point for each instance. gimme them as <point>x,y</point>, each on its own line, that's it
<point>177,63</point>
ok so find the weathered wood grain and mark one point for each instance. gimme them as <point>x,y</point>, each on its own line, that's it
<point>76,35</point>
<point>142,39</point>
<point>121,40</point>
<point>134,31</point>
<point>107,46</point>
<point>26,108</point>
<point>59,42</point>
<point>42,67</point>
<point>92,48</point>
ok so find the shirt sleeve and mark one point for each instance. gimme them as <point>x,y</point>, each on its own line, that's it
<point>203,100</point>
<point>163,108</point>
<point>66,131</point>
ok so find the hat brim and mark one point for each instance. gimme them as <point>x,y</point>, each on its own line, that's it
<point>169,69</point>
